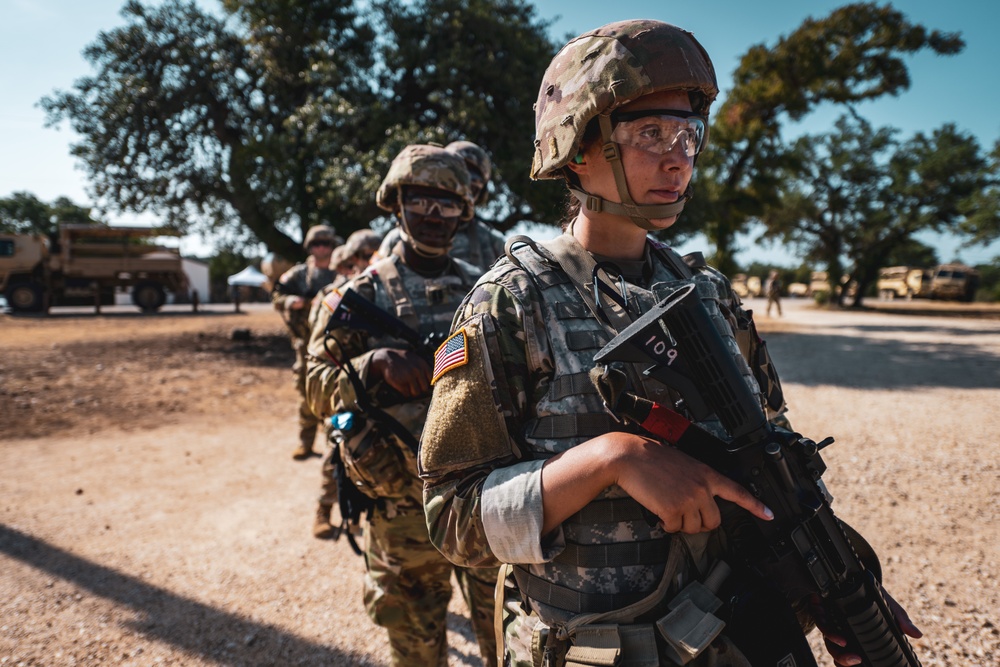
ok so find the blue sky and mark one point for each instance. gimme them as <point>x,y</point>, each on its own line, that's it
<point>41,42</point>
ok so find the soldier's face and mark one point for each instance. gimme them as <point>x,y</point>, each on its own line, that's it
<point>476,183</point>
<point>652,178</point>
<point>321,249</point>
<point>432,215</point>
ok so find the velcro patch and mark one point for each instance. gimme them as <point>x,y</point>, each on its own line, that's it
<point>453,353</point>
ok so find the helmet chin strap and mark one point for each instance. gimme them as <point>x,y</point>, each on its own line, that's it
<point>421,249</point>
<point>641,215</point>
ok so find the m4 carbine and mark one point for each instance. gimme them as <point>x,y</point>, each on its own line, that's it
<point>805,550</point>
<point>356,312</point>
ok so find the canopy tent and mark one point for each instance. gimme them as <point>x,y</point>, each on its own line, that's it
<point>248,277</point>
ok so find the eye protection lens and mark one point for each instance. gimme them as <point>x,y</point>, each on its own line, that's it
<point>660,131</point>
<point>425,205</point>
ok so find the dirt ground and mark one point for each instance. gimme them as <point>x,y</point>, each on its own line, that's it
<point>151,514</point>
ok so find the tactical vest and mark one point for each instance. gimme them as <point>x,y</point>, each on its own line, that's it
<point>378,463</point>
<point>615,552</point>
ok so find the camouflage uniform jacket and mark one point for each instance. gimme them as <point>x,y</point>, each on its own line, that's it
<point>428,307</point>
<point>476,242</point>
<point>538,339</point>
<point>302,280</point>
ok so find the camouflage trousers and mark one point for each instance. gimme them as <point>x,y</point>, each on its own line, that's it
<point>408,586</point>
<point>308,422</point>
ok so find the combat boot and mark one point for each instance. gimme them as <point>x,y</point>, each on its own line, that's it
<point>322,530</point>
<point>303,452</point>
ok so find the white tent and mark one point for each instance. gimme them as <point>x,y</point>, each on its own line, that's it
<point>248,277</point>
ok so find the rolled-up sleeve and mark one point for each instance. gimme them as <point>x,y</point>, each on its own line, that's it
<point>513,514</point>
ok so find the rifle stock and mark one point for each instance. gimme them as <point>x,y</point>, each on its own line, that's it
<point>804,549</point>
<point>356,312</point>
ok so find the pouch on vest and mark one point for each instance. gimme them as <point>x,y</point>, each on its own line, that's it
<point>374,460</point>
<point>691,624</point>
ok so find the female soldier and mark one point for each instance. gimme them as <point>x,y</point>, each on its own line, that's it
<point>521,462</point>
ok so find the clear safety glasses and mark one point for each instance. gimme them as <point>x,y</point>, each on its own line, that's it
<point>425,205</point>
<point>660,130</point>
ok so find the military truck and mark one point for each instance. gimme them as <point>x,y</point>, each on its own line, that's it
<point>746,286</point>
<point>948,282</point>
<point>901,282</point>
<point>952,282</point>
<point>82,263</point>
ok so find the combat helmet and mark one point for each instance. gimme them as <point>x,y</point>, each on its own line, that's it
<point>362,241</point>
<point>431,167</point>
<point>476,158</point>
<point>602,70</point>
<point>320,232</point>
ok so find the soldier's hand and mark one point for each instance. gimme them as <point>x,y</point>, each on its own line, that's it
<point>836,644</point>
<point>678,489</point>
<point>295,303</point>
<point>403,370</point>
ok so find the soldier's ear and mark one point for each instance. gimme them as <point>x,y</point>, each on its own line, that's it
<point>578,164</point>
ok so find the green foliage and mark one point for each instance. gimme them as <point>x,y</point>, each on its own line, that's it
<point>911,252</point>
<point>280,114</point>
<point>860,194</point>
<point>852,55</point>
<point>989,281</point>
<point>24,213</point>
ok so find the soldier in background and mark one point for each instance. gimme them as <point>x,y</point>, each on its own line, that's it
<point>773,290</point>
<point>381,411</point>
<point>292,296</point>
<point>348,261</point>
<point>476,242</point>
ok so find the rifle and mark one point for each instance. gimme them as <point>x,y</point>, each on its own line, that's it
<point>356,312</point>
<point>805,549</point>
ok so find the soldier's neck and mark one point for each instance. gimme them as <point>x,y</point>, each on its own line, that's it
<point>425,266</point>
<point>611,236</point>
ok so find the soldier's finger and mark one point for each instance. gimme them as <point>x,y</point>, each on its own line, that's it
<point>727,489</point>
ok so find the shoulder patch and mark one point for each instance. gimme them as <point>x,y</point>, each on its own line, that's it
<point>453,353</point>
<point>332,300</point>
<point>287,275</point>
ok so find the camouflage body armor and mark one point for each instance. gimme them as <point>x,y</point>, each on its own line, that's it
<point>615,553</point>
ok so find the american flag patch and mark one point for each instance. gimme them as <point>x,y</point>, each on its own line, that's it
<point>453,353</point>
<point>332,300</point>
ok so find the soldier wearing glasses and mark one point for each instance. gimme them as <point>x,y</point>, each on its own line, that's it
<point>407,582</point>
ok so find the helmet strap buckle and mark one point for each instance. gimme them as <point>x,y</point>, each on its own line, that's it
<point>611,152</point>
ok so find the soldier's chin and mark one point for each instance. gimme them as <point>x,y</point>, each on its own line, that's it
<point>664,223</point>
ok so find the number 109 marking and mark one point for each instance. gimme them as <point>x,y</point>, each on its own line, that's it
<point>660,349</point>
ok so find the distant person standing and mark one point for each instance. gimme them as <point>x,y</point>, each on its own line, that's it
<point>292,297</point>
<point>774,291</point>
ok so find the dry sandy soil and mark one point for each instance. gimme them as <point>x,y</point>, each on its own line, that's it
<point>151,514</point>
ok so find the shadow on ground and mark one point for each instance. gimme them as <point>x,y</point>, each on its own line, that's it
<point>186,624</point>
<point>859,362</point>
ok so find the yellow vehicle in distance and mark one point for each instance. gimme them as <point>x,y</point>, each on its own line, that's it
<point>81,263</point>
<point>745,286</point>
<point>947,282</point>
<point>900,282</point>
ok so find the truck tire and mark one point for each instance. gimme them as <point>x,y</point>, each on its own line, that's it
<point>25,297</point>
<point>149,296</point>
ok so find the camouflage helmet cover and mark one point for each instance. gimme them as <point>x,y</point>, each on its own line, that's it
<point>474,156</point>
<point>362,239</point>
<point>427,166</point>
<point>606,68</point>
<point>321,232</point>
